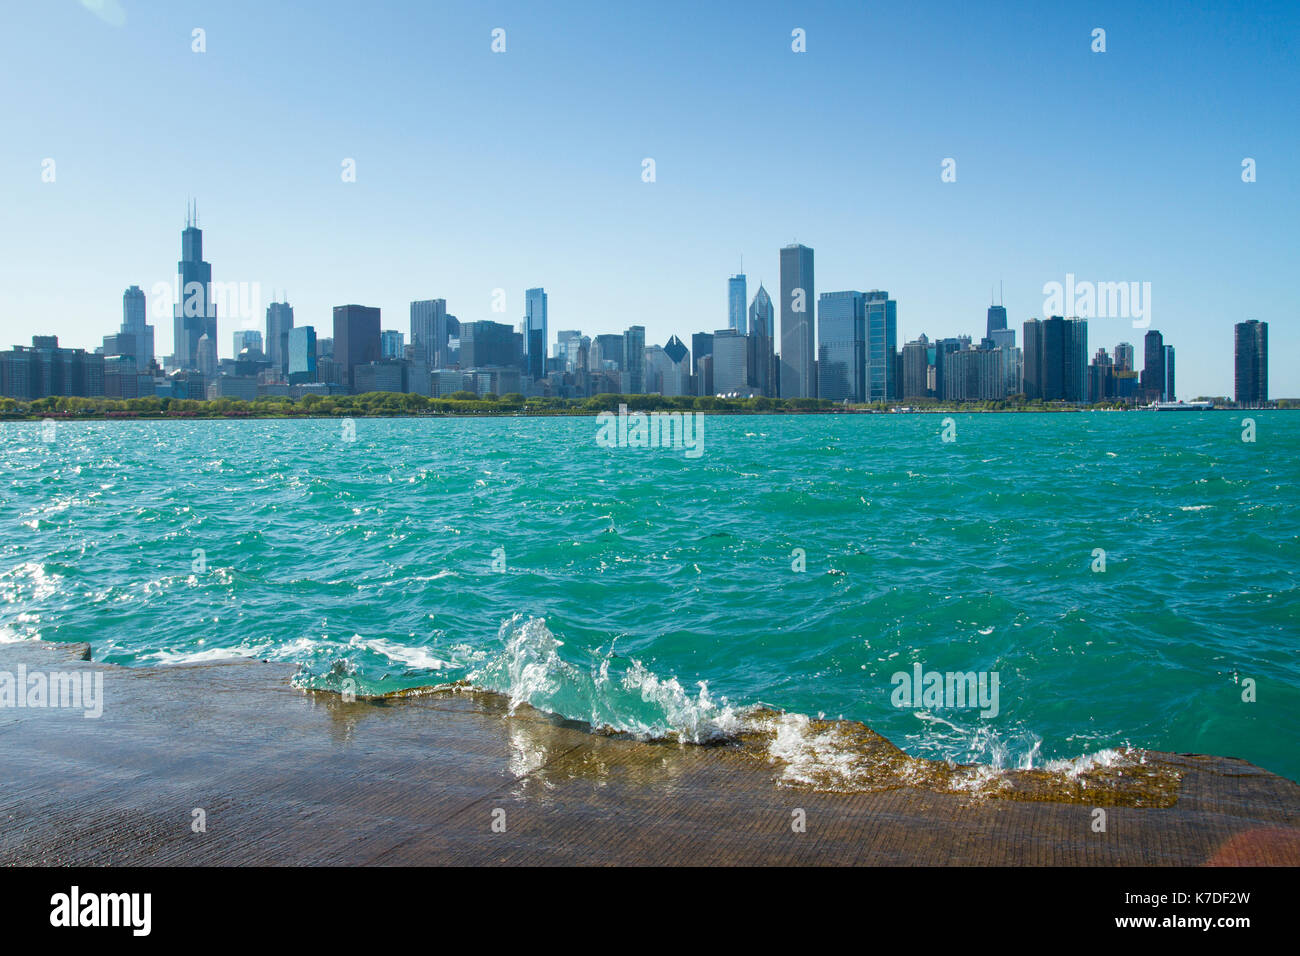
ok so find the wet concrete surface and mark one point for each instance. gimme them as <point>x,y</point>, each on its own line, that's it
<point>286,777</point>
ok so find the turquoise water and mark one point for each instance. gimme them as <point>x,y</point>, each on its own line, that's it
<point>647,591</point>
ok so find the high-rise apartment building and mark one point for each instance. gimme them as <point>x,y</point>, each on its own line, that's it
<point>1056,359</point>
<point>45,369</point>
<point>1153,367</point>
<point>1250,365</point>
<point>916,369</point>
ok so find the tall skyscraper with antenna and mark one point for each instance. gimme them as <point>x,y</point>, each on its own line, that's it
<point>195,315</point>
<point>737,296</point>
<point>997,317</point>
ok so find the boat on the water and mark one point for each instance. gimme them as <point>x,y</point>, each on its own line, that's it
<point>1182,406</point>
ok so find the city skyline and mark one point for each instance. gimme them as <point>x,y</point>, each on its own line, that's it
<point>448,205</point>
<point>844,348</point>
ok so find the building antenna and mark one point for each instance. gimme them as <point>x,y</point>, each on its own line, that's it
<point>1001,301</point>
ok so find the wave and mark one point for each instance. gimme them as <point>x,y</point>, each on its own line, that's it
<point>614,695</point>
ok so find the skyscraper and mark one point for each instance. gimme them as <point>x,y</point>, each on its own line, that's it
<point>916,369</point>
<point>798,353</point>
<point>1101,377</point>
<point>1074,376</point>
<point>762,312</point>
<point>195,315</point>
<point>736,298</point>
<point>46,369</point>
<point>205,355</point>
<point>1055,359</point>
<point>1153,367</point>
<point>535,334</point>
<point>668,369</point>
<point>607,353</point>
<point>997,320</point>
<point>841,346</point>
<point>279,320</point>
<point>487,344</point>
<point>882,347</point>
<point>569,344</point>
<point>1250,366</point>
<point>250,339</point>
<point>634,359</point>
<point>356,338</point>
<point>135,336</point>
<point>1005,340</point>
<point>300,348</point>
<point>701,348</point>
<point>1170,392</point>
<point>429,332</point>
<point>390,345</point>
<point>732,363</point>
<point>943,350</point>
<point>1124,357</point>
<point>762,325</point>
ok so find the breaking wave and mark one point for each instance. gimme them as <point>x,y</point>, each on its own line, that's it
<point>611,693</point>
<point>618,695</point>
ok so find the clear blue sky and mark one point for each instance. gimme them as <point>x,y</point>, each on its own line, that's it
<point>478,170</point>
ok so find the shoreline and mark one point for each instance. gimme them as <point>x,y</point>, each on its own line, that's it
<point>285,777</point>
<point>570,413</point>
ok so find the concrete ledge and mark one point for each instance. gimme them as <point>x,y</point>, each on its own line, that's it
<point>287,777</point>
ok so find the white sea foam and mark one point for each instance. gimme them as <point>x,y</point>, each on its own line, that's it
<point>532,669</point>
<point>10,636</point>
<point>1110,757</point>
<point>418,658</point>
<point>199,657</point>
<point>812,758</point>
